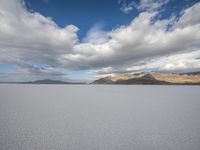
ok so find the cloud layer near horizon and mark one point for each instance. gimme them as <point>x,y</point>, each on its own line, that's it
<point>28,39</point>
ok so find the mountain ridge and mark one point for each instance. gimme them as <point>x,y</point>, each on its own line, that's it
<point>44,81</point>
<point>152,78</point>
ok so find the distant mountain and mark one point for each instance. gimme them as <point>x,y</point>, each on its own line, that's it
<point>152,78</point>
<point>191,73</point>
<point>45,81</point>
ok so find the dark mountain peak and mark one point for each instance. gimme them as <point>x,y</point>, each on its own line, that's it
<point>148,76</point>
<point>105,80</point>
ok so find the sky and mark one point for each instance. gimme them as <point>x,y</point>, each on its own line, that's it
<point>78,40</point>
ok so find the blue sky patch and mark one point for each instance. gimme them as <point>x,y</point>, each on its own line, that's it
<point>4,68</point>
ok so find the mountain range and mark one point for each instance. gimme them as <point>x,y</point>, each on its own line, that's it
<point>45,81</point>
<point>152,78</point>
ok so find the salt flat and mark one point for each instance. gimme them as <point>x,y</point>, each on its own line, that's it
<point>99,117</point>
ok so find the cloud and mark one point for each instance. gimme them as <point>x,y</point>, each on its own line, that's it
<point>178,62</point>
<point>96,35</point>
<point>24,32</point>
<point>28,39</point>
<point>190,17</point>
<point>151,5</point>
<point>127,7</point>
<point>143,37</point>
<point>142,5</point>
